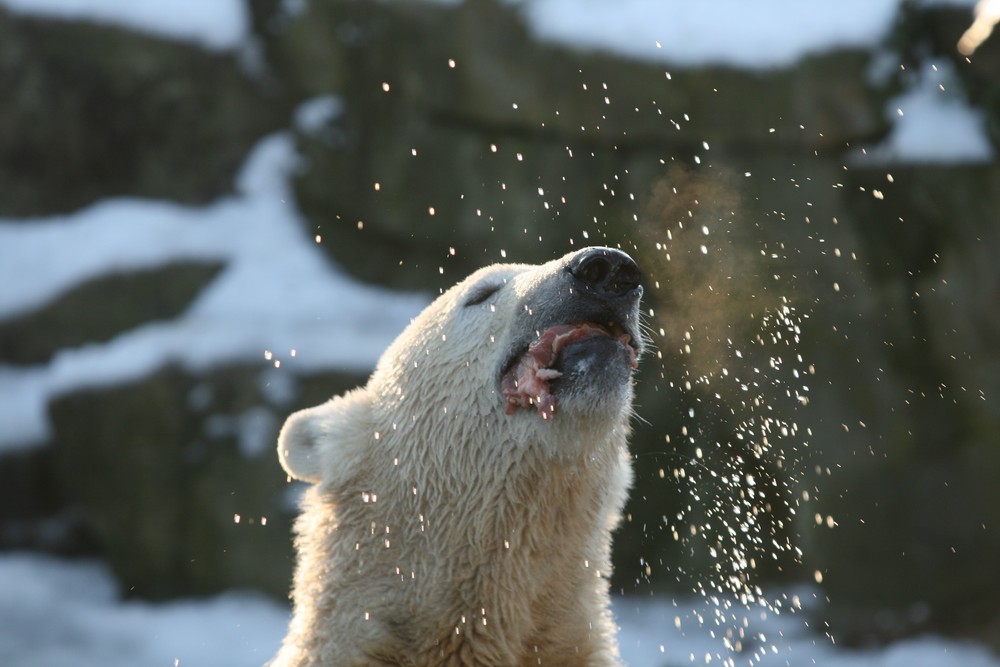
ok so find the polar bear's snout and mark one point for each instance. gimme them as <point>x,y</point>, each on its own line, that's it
<point>587,339</point>
<point>605,287</point>
<point>610,273</point>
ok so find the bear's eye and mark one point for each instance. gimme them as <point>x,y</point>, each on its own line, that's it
<point>480,293</point>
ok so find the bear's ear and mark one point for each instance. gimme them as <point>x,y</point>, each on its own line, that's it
<point>299,445</point>
<point>319,444</point>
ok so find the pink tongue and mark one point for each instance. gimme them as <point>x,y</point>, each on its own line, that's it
<point>527,382</point>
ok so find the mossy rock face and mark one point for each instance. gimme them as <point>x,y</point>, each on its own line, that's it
<point>477,64</point>
<point>34,511</point>
<point>897,442</point>
<point>178,480</point>
<point>461,132</point>
<point>97,310</point>
<point>300,49</point>
<point>91,111</point>
<point>450,205</point>
<point>915,455</point>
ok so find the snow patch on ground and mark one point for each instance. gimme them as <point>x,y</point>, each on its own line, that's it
<point>55,613</point>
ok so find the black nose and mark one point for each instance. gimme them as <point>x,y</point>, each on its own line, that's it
<point>607,271</point>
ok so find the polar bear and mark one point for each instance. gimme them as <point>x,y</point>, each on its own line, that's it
<point>463,500</point>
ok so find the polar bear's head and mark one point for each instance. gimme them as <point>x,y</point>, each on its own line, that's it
<point>515,355</point>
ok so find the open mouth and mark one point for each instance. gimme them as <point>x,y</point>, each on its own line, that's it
<point>525,382</point>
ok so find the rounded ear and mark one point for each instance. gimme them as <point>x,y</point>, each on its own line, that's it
<point>299,444</point>
<point>320,443</point>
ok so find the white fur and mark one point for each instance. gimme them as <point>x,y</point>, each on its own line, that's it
<point>441,531</point>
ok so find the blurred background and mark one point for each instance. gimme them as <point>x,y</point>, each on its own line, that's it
<point>215,213</point>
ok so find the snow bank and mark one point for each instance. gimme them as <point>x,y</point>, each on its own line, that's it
<point>759,34</point>
<point>214,24</point>
<point>933,123</point>
<point>278,294</point>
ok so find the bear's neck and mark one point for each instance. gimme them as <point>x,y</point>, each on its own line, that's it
<point>536,536</point>
<point>504,547</point>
